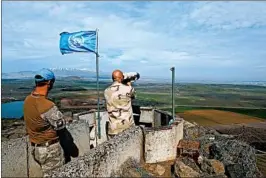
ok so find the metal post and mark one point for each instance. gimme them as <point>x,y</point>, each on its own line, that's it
<point>98,93</point>
<point>173,94</point>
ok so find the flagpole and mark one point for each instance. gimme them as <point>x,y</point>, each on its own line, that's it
<point>173,95</point>
<point>98,94</point>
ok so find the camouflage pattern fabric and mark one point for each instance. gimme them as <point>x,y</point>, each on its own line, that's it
<point>55,118</point>
<point>118,102</point>
<point>48,157</point>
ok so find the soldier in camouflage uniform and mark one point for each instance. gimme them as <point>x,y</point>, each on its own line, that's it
<point>118,98</point>
<point>43,119</point>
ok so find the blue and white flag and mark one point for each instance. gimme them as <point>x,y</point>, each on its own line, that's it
<point>83,41</point>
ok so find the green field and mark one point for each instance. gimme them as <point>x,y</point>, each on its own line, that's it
<point>207,95</point>
<point>261,113</point>
<point>244,99</point>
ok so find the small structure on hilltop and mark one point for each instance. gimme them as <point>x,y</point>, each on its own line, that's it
<point>151,148</point>
<point>84,133</point>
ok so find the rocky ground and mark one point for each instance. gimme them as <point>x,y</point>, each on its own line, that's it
<point>254,133</point>
<point>219,154</point>
<point>12,128</point>
<point>202,153</point>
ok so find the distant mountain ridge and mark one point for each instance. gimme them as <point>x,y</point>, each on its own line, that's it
<point>76,74</point>
<point>72,73</point>
<point>59,73</point>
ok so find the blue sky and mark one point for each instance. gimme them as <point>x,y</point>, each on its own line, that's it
<point>216,41</point>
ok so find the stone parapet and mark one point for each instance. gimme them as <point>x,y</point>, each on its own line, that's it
<point>107,158</point>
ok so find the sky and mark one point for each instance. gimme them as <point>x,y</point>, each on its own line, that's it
<point>206,41</point>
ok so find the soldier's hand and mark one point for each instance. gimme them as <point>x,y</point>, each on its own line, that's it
<point>129,83</point>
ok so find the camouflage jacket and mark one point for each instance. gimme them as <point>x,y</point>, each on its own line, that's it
<point>118,103</point>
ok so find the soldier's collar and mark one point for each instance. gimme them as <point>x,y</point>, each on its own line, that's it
<point>34,94</point>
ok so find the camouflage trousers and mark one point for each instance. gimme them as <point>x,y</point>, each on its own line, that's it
<point>48,157</point>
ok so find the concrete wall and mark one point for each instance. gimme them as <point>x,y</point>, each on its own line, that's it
<point>94,140</point>
<point>103,121</point>
<point>14,154</point>
<point>14,157</point>
<point>107,157</point>
<point>14,160</point>
<point>88,117</point>
<point>147,115</point>
<point>80,133</point>
<point>161,143</point>
<point>161,118</point>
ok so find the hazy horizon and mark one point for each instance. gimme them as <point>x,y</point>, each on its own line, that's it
<point>150,79</point>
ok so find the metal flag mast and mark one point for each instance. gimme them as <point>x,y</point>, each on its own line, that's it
<point>98,93</point>
<point>84,41</point>
<point>173,95</point>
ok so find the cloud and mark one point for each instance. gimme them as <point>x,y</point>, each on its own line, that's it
<point>230,15</point>
<point>193,36</point>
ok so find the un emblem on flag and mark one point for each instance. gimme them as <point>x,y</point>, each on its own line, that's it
<point>76,41</point>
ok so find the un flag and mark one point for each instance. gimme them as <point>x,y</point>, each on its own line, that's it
<point>83,41</point>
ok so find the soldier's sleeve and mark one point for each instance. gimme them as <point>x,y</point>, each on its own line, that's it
<point>55,118</point>
<point>105,94</point>
<point>106,97</point>
<point>133,93</point>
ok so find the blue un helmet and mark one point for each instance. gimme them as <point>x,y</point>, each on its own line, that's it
<point>44,75</point>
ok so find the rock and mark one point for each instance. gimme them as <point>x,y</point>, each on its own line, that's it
<point>188,148</point>
<point>200,160</point>
<point>17,124</point>
<point>12,129</point>
<point>160,169</point>
<point>192,133</point>
<point>212,167</point>
<point>188,124</point>
<point>238,158</point>
<point>233,170</point>
<point>131,173</point>
<point>206,148</point>
<point>191,163</point>
<point>16,135</point>
<point>217,166</point>
<point>187,144</point>
<point>182,170</point>
<point>151,167</point>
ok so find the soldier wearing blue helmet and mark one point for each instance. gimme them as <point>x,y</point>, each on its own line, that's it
<point>43,119</point>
